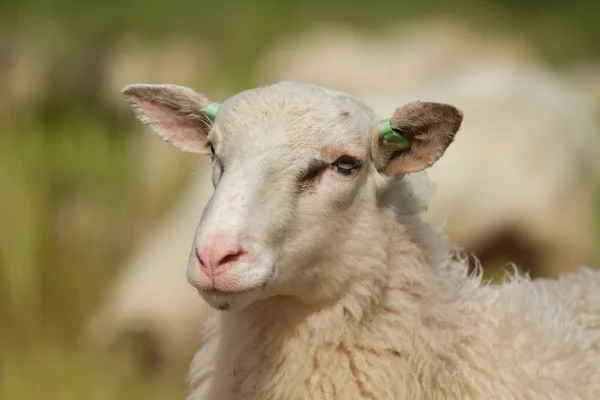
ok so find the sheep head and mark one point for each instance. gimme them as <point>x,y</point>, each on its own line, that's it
<point>299,171</point>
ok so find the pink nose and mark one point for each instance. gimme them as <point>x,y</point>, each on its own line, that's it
<point>215,257</point>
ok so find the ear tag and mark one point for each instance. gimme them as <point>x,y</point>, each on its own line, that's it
<point>211,110</point>
<point>385,130</point>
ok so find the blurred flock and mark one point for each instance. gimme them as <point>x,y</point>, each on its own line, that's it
<point>97,213</point>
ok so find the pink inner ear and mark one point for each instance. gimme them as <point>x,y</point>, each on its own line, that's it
<point>185,131</point>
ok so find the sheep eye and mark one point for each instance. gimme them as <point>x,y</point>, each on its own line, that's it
<point>212,149</point>
<point>345,165</point>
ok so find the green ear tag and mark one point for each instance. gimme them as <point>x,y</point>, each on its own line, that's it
<point>211,110</point>
<point>385,130</point>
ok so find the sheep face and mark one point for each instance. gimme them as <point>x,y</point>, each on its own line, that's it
<point>295,168</point>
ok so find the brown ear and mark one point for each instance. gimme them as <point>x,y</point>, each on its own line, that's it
<point>429,128</point>
<point>175,113</point>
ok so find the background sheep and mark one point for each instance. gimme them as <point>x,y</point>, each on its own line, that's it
<point>313,242</point>
<point>530,207</point>
<point>504,204</point>
<point>398,55</point>
<point>151,297</point>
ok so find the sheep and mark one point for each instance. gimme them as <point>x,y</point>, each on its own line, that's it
<point>533,211</point>
<point>414,60</point>
<point>325,280</point>
<point>586,75</point>
<point>400,55</point>
<point>150,298</point>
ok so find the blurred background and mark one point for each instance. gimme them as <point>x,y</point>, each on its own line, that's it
<point>97,213</point>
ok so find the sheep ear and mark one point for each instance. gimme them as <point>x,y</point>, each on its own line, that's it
<point>176,113</point>
<point>415,137</point>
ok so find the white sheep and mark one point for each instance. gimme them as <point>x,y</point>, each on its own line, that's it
<point>151,297</point>
<point>441,60</point>
<point>483,91</point>
<point>586,75</point>
<point>329,282</point>
<point>400,55</point>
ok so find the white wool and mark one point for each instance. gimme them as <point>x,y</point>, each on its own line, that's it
<point>423,190</point>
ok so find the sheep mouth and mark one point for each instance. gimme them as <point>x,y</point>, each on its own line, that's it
<point>224,292</point>
<point>220,294</point>
<point>224,300</point>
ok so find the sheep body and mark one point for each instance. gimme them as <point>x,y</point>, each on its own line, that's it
<point>409,320</point>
